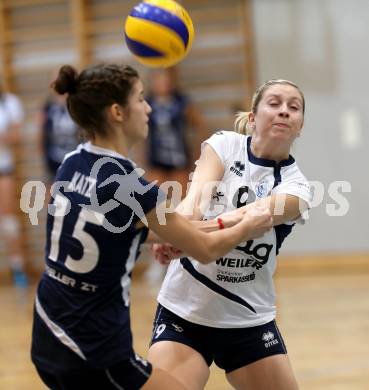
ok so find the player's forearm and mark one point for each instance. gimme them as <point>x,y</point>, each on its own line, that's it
<point>189,208</point>
<point>203,226</point>
<point>284,207</point>
<point>222,241</point>
<point>208,226</point>
<point>153,238</point>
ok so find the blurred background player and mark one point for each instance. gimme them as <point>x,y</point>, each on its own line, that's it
<point>58,133</point>
<point>176,130</point>
<point>11,117</point>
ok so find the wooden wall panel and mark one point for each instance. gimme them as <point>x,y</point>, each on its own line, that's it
<point>38,36</point>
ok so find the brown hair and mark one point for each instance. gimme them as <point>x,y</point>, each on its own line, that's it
<point>92,90</point>
<point>241,124</point>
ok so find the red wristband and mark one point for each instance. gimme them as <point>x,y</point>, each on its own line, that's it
<point>220,223</point>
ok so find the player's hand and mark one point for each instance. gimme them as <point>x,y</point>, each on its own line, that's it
<point>259,220</point>
<point>164,253</point>
<point>235,216</point>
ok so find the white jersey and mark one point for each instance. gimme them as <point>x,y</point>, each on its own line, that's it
<point>11,112</point>
<point>236,290</point>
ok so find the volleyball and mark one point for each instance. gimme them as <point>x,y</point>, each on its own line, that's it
<point>159,33</point>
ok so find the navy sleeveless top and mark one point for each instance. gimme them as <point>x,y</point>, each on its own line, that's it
<point>167,146</point>
<point>81,314</point>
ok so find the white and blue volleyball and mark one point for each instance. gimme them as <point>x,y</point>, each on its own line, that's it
<point>159,33</point>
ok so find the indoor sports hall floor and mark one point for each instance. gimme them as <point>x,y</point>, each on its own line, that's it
<point>323,314</point>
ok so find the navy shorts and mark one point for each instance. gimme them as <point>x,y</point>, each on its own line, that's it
<point>229,348</point>
<point>130,374</point>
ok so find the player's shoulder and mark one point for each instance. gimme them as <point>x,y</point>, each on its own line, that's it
<point>12,100</point>
<point>228,140</point>
<point>228,135</point>
<point>50,104</point>
<point>292,173</point>
<point>99,162</point>
<point>181,97</point>
<point>290,167</point>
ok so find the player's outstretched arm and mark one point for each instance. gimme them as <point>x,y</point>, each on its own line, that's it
<point>284,207</point>
<point>207,175</point>
<point>207,247</point>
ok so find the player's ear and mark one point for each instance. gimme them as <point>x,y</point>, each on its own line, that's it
<point>251,120</point>
<point>116,112</point>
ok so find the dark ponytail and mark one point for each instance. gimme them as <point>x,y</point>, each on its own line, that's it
<point>66,81</point>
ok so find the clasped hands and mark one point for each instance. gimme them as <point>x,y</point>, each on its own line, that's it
<point>257,215</point>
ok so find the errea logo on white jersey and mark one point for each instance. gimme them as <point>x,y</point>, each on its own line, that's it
<point>269,339</point>
<point>237,168</point>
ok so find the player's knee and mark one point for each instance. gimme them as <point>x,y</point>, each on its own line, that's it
<point>9,226</point>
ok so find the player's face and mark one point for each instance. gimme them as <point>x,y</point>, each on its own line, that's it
<point>136,123</point>
<point>279,114</point>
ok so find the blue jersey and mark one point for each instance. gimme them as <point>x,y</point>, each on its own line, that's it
<point>82,304</point>
<point>167,138</point>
